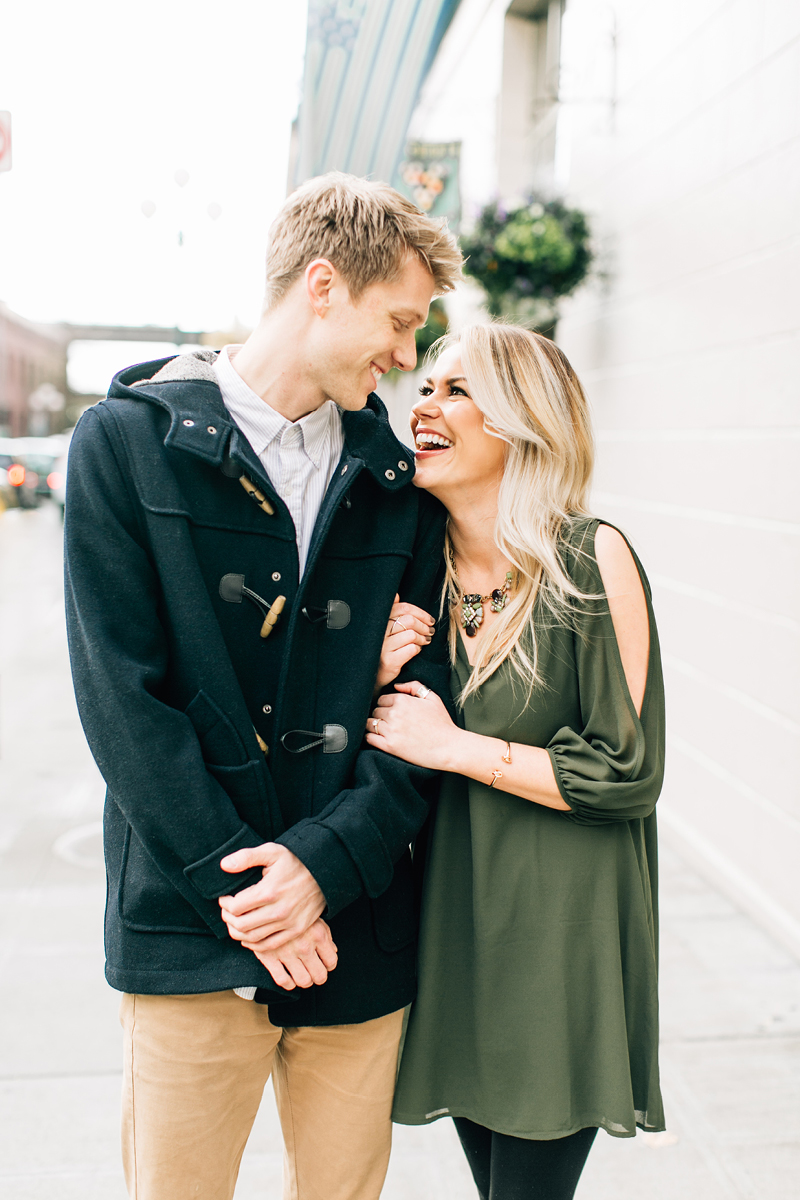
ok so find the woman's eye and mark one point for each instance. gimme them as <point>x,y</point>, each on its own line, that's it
<point>425,390</point>
<point>457,391</point>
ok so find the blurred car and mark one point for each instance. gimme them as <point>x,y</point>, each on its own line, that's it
<point>31,471</point>
<point>8,495</point>
<point>57,481</point>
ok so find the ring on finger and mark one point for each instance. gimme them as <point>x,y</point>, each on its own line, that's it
<point>375,721</point>
<point>423,691</point>
<point>397,621</point>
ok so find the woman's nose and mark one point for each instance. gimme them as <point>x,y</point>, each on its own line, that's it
<point>426,406</point>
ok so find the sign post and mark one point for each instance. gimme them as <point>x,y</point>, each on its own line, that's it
<point>5,141</point>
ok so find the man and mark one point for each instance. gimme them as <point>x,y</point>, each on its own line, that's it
<point>237,528</point>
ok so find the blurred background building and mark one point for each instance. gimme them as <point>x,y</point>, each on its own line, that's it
<point>677,130</point>
<point>33,376</point>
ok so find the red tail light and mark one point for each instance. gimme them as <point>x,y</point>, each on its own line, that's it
<point>55,480</point>
<point>16,475</point>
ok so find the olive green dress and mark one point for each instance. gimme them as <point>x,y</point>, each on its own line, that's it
<point>537,1010</point>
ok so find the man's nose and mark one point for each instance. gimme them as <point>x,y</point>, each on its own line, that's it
<point>405,356</point>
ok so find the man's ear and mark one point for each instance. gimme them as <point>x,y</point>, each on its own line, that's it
<point>320,277</point>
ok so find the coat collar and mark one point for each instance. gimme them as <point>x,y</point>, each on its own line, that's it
<point>186,387</point>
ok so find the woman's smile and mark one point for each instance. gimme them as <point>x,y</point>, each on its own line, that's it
<point>429,442</point>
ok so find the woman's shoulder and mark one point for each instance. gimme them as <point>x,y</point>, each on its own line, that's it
<point>577,544</point>
<point>597,552</point>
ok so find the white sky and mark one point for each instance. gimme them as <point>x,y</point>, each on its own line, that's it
<point>108,101</point>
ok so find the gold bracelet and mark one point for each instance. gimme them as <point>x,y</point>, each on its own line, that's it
<point>506,759</point>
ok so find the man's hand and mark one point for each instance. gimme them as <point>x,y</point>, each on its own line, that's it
<point>280,907</point>
<point>303,961</point>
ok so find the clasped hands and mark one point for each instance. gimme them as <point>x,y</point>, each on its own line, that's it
<point>279,918</point>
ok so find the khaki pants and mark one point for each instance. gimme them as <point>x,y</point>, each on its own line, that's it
<point>195,1070</point>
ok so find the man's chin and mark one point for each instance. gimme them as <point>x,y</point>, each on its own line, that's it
<point>351,401</point>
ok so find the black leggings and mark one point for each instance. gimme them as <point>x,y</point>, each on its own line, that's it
<point>512,1168</point>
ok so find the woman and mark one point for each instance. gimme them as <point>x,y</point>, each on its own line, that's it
<point>536,1018</point>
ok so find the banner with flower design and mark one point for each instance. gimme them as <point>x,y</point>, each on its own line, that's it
<point>428,175</point>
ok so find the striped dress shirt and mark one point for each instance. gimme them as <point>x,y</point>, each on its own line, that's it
<point>299,458</point>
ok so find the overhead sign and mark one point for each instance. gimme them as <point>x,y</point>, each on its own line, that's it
<point>428,175</point>
<point>5,141</point>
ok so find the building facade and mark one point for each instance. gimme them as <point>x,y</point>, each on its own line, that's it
<point>33,376</point>
<point>677,128</point>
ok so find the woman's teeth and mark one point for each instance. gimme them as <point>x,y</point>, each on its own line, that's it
<point>432,439</point>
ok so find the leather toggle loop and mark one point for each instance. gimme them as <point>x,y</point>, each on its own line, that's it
<point>230,468</point>
<point>232,589</point>
<point>336,614</point>
<point>332,738</point>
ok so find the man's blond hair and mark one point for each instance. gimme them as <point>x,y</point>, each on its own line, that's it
<point>366,230</point>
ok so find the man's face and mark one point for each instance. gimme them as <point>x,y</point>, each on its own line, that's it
<point>359,341</point>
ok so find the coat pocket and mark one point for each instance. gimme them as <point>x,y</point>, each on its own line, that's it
<point>219,739</point>
<point>393,917</point>
<point>148,902</point>
<point>245,786</point>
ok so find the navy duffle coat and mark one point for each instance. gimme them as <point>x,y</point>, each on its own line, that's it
<point>178,692</point>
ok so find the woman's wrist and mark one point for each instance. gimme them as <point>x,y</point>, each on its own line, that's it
<point>473,754</point>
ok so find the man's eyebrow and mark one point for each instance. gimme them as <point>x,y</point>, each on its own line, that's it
<point>410,312</point>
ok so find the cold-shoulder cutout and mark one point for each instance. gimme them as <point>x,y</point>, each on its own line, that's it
<point>627,605</point>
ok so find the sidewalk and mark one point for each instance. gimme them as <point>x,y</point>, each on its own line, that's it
<point>730,994</point>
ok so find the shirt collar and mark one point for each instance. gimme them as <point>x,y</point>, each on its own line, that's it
<point>261,423</point>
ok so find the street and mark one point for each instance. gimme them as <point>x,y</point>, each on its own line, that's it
<point>731,994</point>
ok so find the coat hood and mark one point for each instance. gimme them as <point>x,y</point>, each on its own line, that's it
<point>186,386</point>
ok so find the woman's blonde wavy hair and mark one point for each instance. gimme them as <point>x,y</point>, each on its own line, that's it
<point>532,399</point>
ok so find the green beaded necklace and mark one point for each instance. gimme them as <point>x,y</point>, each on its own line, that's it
<point>472,605</point>
<point>472,602</point>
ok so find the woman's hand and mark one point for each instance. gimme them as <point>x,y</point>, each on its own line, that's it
<point>414,725</point>
<point>407,631</point>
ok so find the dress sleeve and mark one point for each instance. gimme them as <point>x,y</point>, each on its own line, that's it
<point>612,768</point>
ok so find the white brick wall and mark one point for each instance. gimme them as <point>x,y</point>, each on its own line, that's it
<point>679,132</point>
<point>690,351</point>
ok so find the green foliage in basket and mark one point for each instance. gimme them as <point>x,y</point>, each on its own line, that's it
<point>529,254</point>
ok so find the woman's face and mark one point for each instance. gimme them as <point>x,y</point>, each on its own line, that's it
<point>453,450</point>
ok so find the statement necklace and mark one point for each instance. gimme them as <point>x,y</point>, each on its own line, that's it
<point>472,602</point>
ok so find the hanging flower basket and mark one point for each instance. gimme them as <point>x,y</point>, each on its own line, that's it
<point>435,327</point>
<point>528,256</point>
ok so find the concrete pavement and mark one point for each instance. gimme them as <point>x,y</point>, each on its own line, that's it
<point>731,994</point>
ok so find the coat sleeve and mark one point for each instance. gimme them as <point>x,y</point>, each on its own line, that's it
<point>351,847</point>
<point>612,767</point>
<point>148,751</point>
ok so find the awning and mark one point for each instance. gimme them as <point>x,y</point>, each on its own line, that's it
<point>366,61</point>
